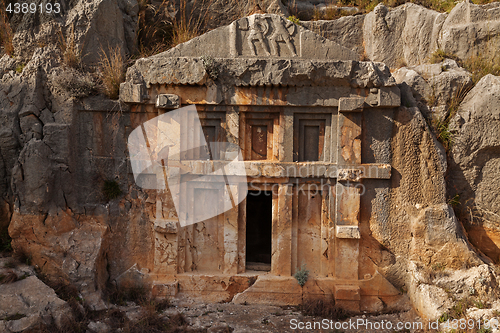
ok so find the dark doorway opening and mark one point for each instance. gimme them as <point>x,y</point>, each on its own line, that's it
<point>259,230</point>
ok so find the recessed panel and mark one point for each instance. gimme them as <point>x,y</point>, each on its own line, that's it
<point>259,142</point>
<point>311,137</point>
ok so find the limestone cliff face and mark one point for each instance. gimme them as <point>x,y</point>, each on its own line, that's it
<point>474,164</point>
<point>57,150</point>
<point>410,33</point>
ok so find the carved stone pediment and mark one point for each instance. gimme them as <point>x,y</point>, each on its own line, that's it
<point>262,36</point>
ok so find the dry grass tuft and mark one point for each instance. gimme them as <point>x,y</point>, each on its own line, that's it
<point>165,24</point>
<point>112,69</point>
<point>480,66</point>
<point>154,27</point>
<point>8,278</point>
<point>440,127</point>
<point>72,56</point>
<point>366,6</point>
<point>22,256</point>
<point>439,55</point>
<point>324,308</point>
<point>122,295</point>
<point>190,22</point>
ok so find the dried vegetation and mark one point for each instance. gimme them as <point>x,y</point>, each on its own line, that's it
<point>112,71</point>
<point>365,6</point>
<point>478,66</point>
<point>162,25</point>
<point>149,318</point>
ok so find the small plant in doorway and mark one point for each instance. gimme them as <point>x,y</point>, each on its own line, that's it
<point>302,275</point>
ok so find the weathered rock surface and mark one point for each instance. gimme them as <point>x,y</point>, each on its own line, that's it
<point>73,231</point>
<point>346,31</point>
<point>410,33</point>
<point>102,25</point>
<point>420,227</point>
<point>60,246</point>
<point>474,164</point>
<point>471,29</point>
<point>91,27</point>
<point>436,289</point>
<point>30,302</point>
<point>433,86</point>
<point>49,220</point>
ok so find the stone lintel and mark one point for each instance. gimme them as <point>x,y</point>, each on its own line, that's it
<point>262,71</point>
<point>255,170</point>
<point>270,96</point>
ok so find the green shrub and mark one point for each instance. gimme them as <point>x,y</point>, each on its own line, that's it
<point>294,19</point>
<point>302,275</point>
<point>443,133</point>
<point>455,201</point>
<point>20,68</point>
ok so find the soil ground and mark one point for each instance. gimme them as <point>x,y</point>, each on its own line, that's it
<point>227,317</point>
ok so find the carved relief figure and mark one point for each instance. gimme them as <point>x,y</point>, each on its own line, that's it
<point>258,30</point>
<point>282,34</point>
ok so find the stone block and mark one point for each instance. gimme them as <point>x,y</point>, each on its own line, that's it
<point>168,101</point>
<point>347,292</point>
<point>351,103</point>
<point>348,297</point>
<point>272,290</point>
<point>389,97</point>
<point>165,289</point>
<point>348,231</point>
<point>132,93</point>
<point>164,226</point>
